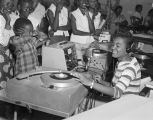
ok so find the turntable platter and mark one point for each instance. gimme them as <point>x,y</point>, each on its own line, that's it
<point>59,79</point>
<point>61,76</point>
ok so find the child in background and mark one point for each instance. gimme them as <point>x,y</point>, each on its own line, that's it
<point>25,46</point>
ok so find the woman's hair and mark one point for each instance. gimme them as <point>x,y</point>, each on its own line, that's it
<point>127,37</point>
<point>19,26</point>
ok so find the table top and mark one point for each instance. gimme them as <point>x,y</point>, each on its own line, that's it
<point>129,107</point>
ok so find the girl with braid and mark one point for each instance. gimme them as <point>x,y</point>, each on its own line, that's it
<point>25,46</point>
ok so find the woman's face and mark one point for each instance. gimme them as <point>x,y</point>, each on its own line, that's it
<point>25,9</point>
<point>119,48</point>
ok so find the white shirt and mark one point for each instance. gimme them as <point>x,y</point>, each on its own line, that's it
<point>36,16</point>
<point>82,25</point>
<point>97,20</point>
<point>138,15</point>
<point>6,34</point>
<point>63,19</point>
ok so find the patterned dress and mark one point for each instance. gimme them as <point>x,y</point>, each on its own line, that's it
<point>6,68</point>
<point>26,54</point>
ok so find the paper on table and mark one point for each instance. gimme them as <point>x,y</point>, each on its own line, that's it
<point>150,85</point>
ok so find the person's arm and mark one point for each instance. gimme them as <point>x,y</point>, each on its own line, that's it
<point>116,91</point>
<point>99,87</point>
<point>56,19</point>
<point>146,21</point>
<point>74,28</point>
<point>50,17</point>
<point>7,19</point>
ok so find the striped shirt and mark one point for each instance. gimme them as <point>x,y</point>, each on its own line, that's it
<point>127,78</point>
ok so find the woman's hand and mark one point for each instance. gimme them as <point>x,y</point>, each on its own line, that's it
<point>85,80</point>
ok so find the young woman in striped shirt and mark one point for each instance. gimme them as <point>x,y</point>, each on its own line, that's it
<point>127,75</point>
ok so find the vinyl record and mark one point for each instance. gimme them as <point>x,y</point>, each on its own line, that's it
<point>61,76</point>
<point>59,79</point>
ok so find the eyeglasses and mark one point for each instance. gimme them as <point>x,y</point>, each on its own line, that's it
<point>27,9</point>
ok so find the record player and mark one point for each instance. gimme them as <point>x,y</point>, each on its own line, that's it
<point>56,92</point>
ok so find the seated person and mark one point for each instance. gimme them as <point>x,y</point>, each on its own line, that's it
<point>58,15</point>
<point>148,21</point>
<point>118,21</point>
<point>127,76</point>
<point>137,18</point>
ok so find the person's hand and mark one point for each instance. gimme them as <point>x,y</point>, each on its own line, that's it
<point>51,33</point>
<point>85,80</point>
<point>7,26</point>
<point>86,11</point>
<point>97,32</point>
<point>6,15</point>
<point>42,36</point>
<point>59,7</point>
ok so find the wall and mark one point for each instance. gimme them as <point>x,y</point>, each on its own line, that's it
<point>129,6</point>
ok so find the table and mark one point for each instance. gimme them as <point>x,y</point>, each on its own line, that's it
<point>129,107</point>
<point>60,101</point>
<point>145,38</point>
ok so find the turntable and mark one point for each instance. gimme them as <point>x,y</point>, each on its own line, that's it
<point>62,101</point>
<point>59,79</point>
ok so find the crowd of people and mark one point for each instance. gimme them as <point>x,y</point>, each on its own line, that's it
<point>25,25</point>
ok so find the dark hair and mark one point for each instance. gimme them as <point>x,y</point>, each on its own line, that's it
<point>75,5</point>
<point>66,3</point>
<point>19,26</point>
<point>118,7</point>
<point>150,13</point>
<point>127,36</point>
<point>21,2</point>
<point>138,6</point>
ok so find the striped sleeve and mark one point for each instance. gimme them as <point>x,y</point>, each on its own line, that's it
<point>127,76</point>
